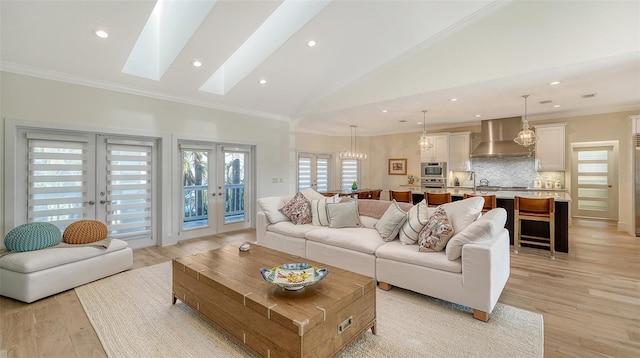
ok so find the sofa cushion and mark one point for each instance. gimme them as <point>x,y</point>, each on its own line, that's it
<point>390,223</point>
<point>377,208</point>
<point>85,232</point>
<point>298,209</point>
<point>436,233</point>
<point>288,228</point>
<point>270,206</point>
<point>319,210</point>
<point>343,214</point>
<point>461,213</point>
<point>397,251</point>
<point>416,220</point>
<point>488,226</point>
<point>32,236</point>
<point>357,239</point>
<point>26,262</point>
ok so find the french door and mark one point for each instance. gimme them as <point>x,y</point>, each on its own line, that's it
<point>70,177</point>
<point>216,188</point>
<point>594,188</point>
<point>313,171</point>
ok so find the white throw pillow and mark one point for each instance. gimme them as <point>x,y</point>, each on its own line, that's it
<point>416,220</point>
<point>311,194</point>
<point>343,214</point>
<point>270,206</point>
<point>319,210</point>
<point>489,225</point>
<point>461,213</point>
<point>391,221</point>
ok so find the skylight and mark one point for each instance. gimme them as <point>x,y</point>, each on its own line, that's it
<point>283,23</point>
<point>170,26</point>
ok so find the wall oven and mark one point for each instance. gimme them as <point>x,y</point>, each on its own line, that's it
<point>433,175</point>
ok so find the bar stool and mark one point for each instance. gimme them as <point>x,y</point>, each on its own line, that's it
<point>490,201</point>
<point>435,199</point>
<point>401,196</point>
<point>534,209</point>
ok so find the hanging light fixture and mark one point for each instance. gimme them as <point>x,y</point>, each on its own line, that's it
<point>526,137</point>
<point>353,154</point>
<point>424,142</point>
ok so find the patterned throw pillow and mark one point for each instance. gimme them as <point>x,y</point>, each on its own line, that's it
<point>435,235</point>
<point>298,209</point>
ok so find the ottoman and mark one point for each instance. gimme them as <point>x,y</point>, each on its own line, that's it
<point>30,276</point>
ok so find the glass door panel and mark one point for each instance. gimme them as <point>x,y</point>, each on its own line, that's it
<point>595,194</point>
<point>233,191</point>
<point>195,189</point>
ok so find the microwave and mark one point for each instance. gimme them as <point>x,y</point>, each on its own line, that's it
<point>434,169</point>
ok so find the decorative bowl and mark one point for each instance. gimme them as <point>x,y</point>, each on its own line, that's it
<point>294,276</point>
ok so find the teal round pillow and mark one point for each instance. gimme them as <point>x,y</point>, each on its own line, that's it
<point>32,236</point>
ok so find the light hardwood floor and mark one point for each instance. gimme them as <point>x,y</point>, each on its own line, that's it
<point>590,298</point>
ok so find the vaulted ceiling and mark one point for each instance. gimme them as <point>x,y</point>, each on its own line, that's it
<point>375,64</point>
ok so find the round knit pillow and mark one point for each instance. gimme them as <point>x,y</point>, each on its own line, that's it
<point>32,236</point>
<point>84,232</point>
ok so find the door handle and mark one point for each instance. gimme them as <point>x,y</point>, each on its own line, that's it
<point>90,202</point>
<point>220,194</point>
<point>105,201</point>
<point>213,194</point>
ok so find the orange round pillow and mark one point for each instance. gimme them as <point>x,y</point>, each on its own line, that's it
<point>84,232</point>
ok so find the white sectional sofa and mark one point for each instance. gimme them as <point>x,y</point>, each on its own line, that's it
<point>474,279</point>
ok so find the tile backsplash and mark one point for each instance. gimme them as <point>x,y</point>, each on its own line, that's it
<point>518,171</point>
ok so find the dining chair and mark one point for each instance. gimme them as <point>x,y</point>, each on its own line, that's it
<point>375,194</point>
<point>401,196</point>
<point>364,195</point>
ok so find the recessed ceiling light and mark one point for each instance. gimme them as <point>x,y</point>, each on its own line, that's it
<point>263,81</point>
<point>384,111</point>
<point>311,43</point>
<point>554,83</point>
<point>102,34</point>
<point>478,115</point>
<point>452,99</point>
<point>556,106</point>
<point>402,120</point>
<point>196,63</point>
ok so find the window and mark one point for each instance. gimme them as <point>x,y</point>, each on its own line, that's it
<point>350,170</point>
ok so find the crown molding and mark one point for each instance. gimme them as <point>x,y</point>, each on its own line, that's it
<point>19,69</point>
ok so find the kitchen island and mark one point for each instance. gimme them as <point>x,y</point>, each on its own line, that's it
<point>504,200</point>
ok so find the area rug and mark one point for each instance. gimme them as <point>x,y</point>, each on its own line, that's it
<point>133,317</point>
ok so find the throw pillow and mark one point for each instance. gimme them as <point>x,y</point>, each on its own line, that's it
<point>311,194</point>
<point>416,220</point>
<point>32,236</point>
<point>343,214</point>
<point>391,221</point>
<point>319,210</point>
<point>434,235</point>
<point>461,213</point>
<point>84,232</point>
<point>488,226</point>
<point>298,209</point>
<point>270,206</point>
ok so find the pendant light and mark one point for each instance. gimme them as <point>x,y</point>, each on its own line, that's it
<point>424,142</point>
<point>353,154</point>
<point>526,137</point>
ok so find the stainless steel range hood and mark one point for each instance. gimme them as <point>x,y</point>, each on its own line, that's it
<point>496,139</point>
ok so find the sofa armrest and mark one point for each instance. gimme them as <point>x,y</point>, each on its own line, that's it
<point>261,225</point>
<point>486,268</point>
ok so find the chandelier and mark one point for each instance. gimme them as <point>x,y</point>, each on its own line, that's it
<point>353,154</point>
<point>424,142</point>
<point>526,137</point>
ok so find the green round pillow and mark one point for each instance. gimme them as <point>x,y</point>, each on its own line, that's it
<point>32,236</point>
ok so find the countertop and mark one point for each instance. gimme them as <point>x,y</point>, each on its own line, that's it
<point>558,195</point>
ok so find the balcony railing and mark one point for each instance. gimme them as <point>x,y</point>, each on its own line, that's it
<point>196,201</point>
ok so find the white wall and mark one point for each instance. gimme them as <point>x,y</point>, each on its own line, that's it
<point>57,104</point>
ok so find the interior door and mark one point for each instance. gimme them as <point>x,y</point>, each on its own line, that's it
<point>233,190</point>
<point>594,188</point>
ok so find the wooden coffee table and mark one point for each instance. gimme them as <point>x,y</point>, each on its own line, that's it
<point>320,320</point>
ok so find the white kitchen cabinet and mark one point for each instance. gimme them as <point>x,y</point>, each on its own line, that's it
<point>440,150</point>
<point>550,147</point>
<point>459,148</point>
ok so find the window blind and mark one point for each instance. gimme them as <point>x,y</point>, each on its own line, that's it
<point>349,173</point>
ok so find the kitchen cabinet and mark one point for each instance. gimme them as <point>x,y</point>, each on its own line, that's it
<point>459,147</point>
<point>440,150</point>
<point>550,147</point>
